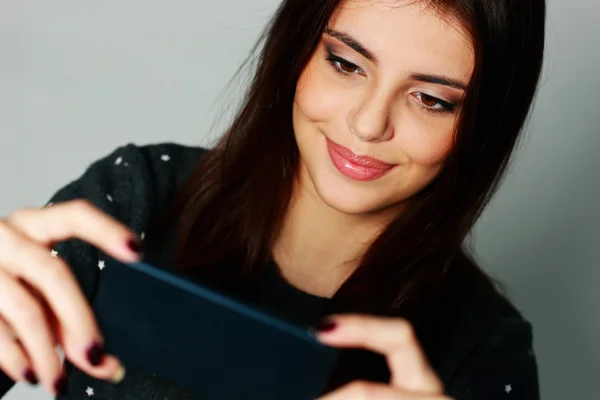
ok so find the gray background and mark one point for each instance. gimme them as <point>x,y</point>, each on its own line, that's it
<point>79,78</point>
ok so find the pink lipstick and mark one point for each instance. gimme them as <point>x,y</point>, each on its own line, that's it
<point>360,168</point>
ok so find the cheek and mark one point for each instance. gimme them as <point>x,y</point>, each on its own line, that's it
<point>317,98</point>
<point>426,145</point>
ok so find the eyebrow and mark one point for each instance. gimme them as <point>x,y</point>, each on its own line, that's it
<point>351,42</point>
<point>440,80</point>
<point>354,44</point>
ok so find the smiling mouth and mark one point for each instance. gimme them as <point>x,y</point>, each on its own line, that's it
<point>360,168</point>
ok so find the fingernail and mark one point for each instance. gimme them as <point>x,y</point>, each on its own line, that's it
<point>29,375</point>
<point>135,246</point>
<point>119,375</point>
<point>60,385</point>
<point>95,354</point>
<point>327,325</point>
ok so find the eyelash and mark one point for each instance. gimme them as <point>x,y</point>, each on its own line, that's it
<point>444,106</point>
<point>335,60</point>
<point>336,63</point>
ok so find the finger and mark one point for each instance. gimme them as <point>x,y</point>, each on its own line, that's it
<point>363,390</point>
<point>392,337</point>
<point>13,360</point>
<point>109,367</point>
<point>78,219</point>
<point>55,282</point>
<point>27,320</point>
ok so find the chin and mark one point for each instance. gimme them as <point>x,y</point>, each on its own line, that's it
<point>348,197</point>
<point>346,202</point>
<point>338,191</point>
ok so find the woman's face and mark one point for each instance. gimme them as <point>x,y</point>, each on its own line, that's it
<point>375,107</point>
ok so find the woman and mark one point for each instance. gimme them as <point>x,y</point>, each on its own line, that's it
<point>371,138</point>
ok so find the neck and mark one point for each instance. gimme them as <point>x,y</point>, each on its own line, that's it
<point>318,246</point>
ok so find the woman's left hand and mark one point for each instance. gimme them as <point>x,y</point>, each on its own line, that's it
<point>412,377</point>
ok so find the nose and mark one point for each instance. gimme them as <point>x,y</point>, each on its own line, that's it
<point>371,121</point>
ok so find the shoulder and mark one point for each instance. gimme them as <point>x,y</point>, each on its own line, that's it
<point>485,305</point>
<point>163,167</point>
<point>131,184</point>
<point>134,177</point>
<point>489,347</point>
<point>156,161</point>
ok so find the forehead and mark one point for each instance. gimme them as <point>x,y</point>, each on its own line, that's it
<point>407,35</point>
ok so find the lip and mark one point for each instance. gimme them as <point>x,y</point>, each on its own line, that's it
<point>360,168</point>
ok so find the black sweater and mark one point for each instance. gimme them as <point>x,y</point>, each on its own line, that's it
<point>484,354</point>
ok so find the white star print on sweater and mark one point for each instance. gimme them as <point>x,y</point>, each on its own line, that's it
<point>501,368</point>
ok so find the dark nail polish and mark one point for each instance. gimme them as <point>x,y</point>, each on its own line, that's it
<point>30,376</point>
<point>95,354</point>
<point>135,246</point>
<point>60,385</point>
<point>327,326</point>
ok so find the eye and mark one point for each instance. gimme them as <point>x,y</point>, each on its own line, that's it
<point>429,101</point>
<point>346,67</point>
<point>433,104</point>
<point>342,66</point>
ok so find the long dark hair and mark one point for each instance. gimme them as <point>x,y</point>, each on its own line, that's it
<point>230,211</point>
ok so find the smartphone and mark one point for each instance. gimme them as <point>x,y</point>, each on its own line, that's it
<point>206,342</point>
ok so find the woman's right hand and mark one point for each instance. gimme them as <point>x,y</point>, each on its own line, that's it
<point>41,303</point>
